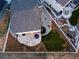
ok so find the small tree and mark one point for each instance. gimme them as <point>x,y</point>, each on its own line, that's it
<point>74,17</point>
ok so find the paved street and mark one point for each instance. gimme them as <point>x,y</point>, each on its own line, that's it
<point>40,56</point>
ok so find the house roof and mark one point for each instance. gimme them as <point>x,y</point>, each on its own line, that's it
<point>62,2</point>
<point>17,5</point>
<point>25,16</point>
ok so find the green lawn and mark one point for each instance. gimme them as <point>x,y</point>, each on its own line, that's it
<point>53,42</point>
<point>74,17</point>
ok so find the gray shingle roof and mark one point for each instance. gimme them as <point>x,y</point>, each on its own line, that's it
<point>23,4</point>
<point>62,2</point>
<point>25,16</point>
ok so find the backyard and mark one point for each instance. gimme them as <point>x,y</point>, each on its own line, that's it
<point>74,18</point>
<point>53,41</point>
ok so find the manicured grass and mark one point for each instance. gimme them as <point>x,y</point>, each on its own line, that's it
<point>74,17</point>
<point>53,42</point>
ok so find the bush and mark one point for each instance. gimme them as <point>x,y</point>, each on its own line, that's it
<point>74,17</point>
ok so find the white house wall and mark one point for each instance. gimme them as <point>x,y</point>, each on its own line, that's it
<point>29,39</point>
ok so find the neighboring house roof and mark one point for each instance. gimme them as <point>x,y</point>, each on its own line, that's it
<point>76,1</point>
<point>2,3</point>
<point>54,4</point>
<point>8,1</point>
<point>25,16</point>
<point>63,2</point>
<point>57,4</point>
